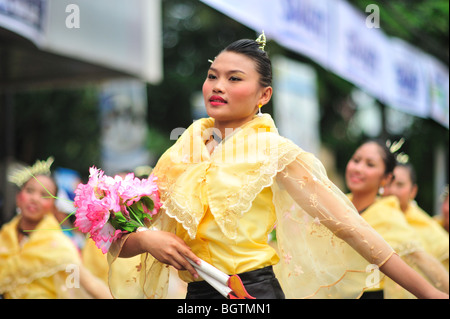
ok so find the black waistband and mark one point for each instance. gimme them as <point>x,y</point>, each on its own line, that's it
<point>253,276</point>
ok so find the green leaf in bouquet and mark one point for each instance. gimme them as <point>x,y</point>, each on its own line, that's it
<point>120,222</point>
<point>148,202</point>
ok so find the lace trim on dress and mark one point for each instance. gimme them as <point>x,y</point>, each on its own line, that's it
<point>241,200</point>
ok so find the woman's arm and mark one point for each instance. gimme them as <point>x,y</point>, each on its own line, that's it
<point>306,182</point>
<point>164,246</point>
<point>396,269</point>
<point>94,286</point>
<point>431,268</point>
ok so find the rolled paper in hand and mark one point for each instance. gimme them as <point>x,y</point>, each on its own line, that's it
<point>230,287</point>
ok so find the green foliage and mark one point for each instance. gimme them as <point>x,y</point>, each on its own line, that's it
<point>61,123</point>
<point>424,23</point>
<point>136,218</point>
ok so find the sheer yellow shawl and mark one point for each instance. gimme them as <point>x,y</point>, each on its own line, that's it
<point>325,247</point>
<point>434,238</point>
<point>42,266</point>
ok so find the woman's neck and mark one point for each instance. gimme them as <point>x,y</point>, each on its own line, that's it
<point>404,207</point>
<point>26,224</point>
<point>24,227</point>
<point>228,127</point>
<point>363,200</point>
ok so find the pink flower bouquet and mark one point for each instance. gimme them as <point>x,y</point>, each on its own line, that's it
<point>107,207</point>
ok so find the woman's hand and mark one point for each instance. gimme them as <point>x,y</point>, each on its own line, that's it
<point>437,294</point>
<point>405,276</point>
<point>166,248</point>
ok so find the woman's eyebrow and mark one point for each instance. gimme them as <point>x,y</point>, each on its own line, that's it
<point>229,72</point>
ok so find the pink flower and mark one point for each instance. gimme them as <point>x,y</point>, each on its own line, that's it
<point>102,198</point>
<point>92,213</point>
<point>105,237</point>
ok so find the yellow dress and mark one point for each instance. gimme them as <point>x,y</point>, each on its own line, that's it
<point>433,237</point>
<point>386,217</point>
<point>226,203</point>
<point>388,220</point>
<point>43,266</point>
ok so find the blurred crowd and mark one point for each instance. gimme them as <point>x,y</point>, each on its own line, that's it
<point>43,255</point>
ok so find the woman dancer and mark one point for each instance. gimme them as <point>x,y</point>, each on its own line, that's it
<point>434,238</point>
<point>229,179</point>
<point>37,261</point>
<point>368,173</point>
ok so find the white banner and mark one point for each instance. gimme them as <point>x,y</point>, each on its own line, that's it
<point>301,25</point>
<point>296,106</point>
<point>24,17</point>
<point>121,35</point>
<point>407,84</point>
<point>248,12</point>
<point>348,42</point>
<point>358,53</point>
<point>439,90</point>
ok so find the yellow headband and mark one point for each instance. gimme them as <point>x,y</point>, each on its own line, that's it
<point>21,175</point>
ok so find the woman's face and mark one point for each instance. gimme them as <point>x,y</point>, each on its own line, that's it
<point>33,199</point>
<point>402,187</point>
<point>365,170</point>
<point>444,209</point>
<point>232,91</point>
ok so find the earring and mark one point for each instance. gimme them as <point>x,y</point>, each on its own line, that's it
<point>381,191</point>
<point>259,110</point>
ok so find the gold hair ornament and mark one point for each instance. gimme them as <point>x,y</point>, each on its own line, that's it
<point>402,158</point>
<point>20,176</point>
<point>262,41</point>
<point>394,147</point>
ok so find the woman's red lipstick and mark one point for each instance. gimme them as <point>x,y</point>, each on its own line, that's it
<point>216,100</point>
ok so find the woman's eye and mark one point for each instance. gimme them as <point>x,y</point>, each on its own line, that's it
<point>211,76</point>
<point>233,78</point>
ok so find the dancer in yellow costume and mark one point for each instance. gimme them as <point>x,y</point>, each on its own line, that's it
<point>442,218</point>
<point>368,171</point>
<point>229,179</point>
<point>37,261</point>
<point>434,238</point>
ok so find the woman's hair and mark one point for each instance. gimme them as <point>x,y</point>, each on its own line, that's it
<point>251,49</point>
<point>388,158</point>
<point>411,171</point>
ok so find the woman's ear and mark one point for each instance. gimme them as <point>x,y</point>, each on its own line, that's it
<point>387,179</point>
<point>18,199</point>
<point>414,191</point>
<point>266,95</point>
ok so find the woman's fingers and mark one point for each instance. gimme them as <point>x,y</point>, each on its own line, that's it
<point>170,249</point>
<point>183,252</point>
